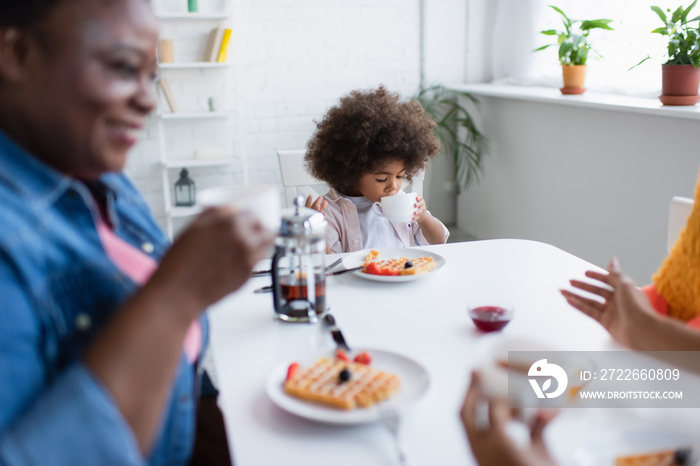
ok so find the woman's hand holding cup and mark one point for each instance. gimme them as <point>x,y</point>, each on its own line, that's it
<point>213,257</point>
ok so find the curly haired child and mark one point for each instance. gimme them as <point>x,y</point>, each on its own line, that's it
<point>364,148</point>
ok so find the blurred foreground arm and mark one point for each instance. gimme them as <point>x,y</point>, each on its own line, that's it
<point>485,424</point>
<point>137,354</point>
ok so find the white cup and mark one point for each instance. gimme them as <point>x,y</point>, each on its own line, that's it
<point>397,208</point>
<point>262,200</point>
<point>503,375</point>
<point>506,373</point>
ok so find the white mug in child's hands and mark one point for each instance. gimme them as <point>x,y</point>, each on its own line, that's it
<point>398,208</point>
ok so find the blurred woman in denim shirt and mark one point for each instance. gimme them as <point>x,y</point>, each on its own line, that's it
<point>95,303</point>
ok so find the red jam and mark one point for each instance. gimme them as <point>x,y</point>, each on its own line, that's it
<point>490,318</point>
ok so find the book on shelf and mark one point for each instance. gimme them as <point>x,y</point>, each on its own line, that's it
<point>223,50</point>
<point>214,44</point>
<point>168,93</point>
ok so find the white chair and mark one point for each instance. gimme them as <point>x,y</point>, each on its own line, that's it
<point>678,213</point>
<point>297,181</point>
<point>415,186</point>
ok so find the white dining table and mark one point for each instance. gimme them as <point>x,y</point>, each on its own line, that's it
<point>425,320</point>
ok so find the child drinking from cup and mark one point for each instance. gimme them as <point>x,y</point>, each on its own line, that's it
<point>364,148</point>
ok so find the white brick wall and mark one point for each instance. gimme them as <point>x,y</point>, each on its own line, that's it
<point>293,59</point>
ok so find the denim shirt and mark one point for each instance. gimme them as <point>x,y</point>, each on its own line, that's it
<point>57,291</point>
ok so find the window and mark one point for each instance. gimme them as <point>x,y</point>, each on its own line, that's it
<point>621,49</point>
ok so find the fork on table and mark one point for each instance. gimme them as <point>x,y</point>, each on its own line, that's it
<point>330,267</point>
<point>262,273</point>
<point>390,418</point>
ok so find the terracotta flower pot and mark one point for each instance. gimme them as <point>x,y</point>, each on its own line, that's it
<point>679,84</point>
<point>574,78</point>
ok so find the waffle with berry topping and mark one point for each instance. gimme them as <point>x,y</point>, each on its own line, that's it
<point>657,458</point>
<point>358,386</point>
<point>401,266</point>
<point>648,459</point>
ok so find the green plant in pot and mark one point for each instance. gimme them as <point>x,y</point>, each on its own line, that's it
<point>680,73</point>
<point>457,131</point>
<point>574,49</point>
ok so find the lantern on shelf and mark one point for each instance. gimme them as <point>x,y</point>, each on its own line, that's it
<point>185,191</point>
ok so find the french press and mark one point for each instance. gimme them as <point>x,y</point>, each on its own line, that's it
<point>299,289</point>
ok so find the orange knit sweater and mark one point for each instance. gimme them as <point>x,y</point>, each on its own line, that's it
<point>678,278</point>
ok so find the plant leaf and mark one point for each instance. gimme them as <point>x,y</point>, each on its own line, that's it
<point>550,32</point>
<point>660,13</point>
<point>468,96</point>
<point>662,30</point>
<point>565,50</point>
<point>687,10</point>
<point>567,21</point>
<point>643,60</point>
<point>596,23</point>
<point>677,14</point>
<point>460,138</point>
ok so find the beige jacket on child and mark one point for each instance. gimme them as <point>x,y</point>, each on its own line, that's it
<point>344,233</point>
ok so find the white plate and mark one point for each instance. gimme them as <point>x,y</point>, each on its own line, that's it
<point>356,259</point>
<point>602,450</point>
<point>414,384</point>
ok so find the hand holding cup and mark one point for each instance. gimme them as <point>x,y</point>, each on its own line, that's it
<point>212,258</point>
<point>263,201</point>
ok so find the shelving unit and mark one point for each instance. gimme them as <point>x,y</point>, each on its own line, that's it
<point>179,212</point>
<point>184,76</point>
<point>193,65</point>
<point>198,163</point>
<point>193,16</point>
<point>193,116</point>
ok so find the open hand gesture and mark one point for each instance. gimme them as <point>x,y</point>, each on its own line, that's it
<point>622,307</point>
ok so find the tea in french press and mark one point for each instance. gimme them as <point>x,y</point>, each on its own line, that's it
<point>298,265</point>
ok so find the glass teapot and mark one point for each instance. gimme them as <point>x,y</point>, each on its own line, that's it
<point>299,290</point>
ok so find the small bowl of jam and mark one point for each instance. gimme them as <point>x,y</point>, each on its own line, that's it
<point>491,316</point>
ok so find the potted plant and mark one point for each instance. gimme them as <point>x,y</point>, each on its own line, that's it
<point>458,134</point>
<point>574,48</point>
<point>680,74</point>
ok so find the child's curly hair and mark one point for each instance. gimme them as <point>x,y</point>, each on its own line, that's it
<point>367,130</point>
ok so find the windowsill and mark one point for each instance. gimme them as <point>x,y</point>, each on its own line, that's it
<point>587,100</point>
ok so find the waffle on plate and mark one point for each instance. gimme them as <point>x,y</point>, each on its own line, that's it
<point>401,266</point>
<point>341,384</point>
<point>678,457</point>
